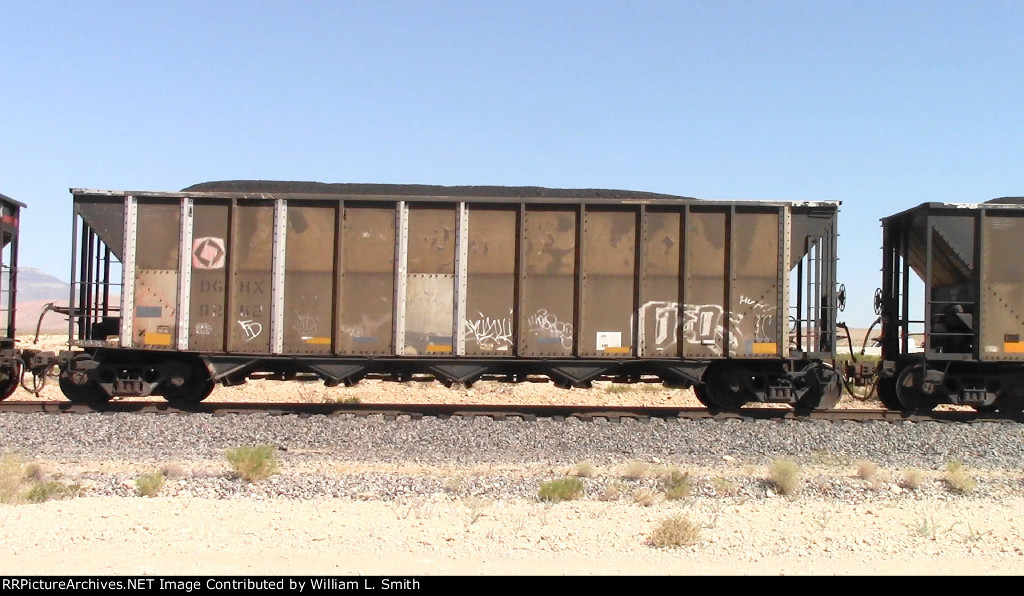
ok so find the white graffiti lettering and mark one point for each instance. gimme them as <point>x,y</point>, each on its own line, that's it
<point>544,323</point>
<point>702,324</point>
<point>252,329</point>
<point>489,333</point>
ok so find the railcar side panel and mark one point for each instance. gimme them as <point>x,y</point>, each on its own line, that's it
<point>309,281</point>
<point>367,279</point>
<point>608,276</point>
<point>705,324</point>
<point>208,323</point>
<point>754,306</point>
<point>252,260</point>
<point>548,295</point>
<point>1002,287</point>
<point>430,280</point>
<point>154,317</point>
<point>488,325</point>
<point>660,325</point>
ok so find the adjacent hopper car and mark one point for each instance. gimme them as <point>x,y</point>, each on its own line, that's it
<point>175,292</point>
<point>968,257</point>
<point>11,365</point>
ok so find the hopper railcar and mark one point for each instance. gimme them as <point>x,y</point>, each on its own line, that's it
<point>971,318</point>
<point>174,292</point>
<point>11,364</point>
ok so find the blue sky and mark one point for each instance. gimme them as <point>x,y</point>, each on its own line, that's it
<point>880,105</point>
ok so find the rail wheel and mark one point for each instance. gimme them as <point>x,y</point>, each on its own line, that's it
<point>189,384</point>
<point>886,389</point>
<point>1011,398</point>
<point>909,386</point>
<point>723,389</point>
<point>86,393</point>
<point>9,378</point>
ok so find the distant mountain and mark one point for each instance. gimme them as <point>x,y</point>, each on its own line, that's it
<point>35,284</point>
<point>36,288</point>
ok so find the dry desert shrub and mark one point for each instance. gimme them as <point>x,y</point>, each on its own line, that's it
<point>676,531</point>
<point>252,463</point>
<point>12,479</point>
<point>22,482</point>
<point>912,479</point>
<point>635,470</point>
<point>562,489</point>
<point>614,491</point>
<point>867,470</point>
<point>676,484</point>
<point>645,497</point>
<point>784,475</point>
<point>50,490</point>
<point>149,485</point>
<point>585,469</point>
<point>958,478</point>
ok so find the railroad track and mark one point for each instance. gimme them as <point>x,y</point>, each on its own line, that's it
<point>522,412</point>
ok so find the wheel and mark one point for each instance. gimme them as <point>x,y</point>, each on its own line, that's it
<point>9,378</point>
<point>908,390</point>
<point>886,389</point>
<point>723,389</point>
<point>190,383</point>
<point>90,393</point>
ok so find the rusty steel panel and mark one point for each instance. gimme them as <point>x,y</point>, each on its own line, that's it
<point>251,265</point>
<point>754,301</point>
<point>704,326</point>
<point>663,242</point>
<point>207,304</point>
<point>154,315</point>
<point>367,279</point>
<point>549,285</point>
<point>1002,287</point>
<point>105,215</point>
<point>430,284</point>
<point>806,225</point>
<point>609,257</point>
<point>490,289</point>
<point>309,278</point>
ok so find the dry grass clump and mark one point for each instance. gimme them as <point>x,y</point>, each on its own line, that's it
<point>676,484</point>
<point>149,485</point>
<point>562,489</point>
<point>614,491</point>
<point>22,482</point>
<point>50,490</point>
<point>12,479</point>
<point>676,531</point>
<point>645,497</point>
<point>585,469</point>
<point>958,479</point>
<point>784,475</point>
<point>867,470</point>
<point>252,463</point>
<point>912,479</point>
<point>635,470</point>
